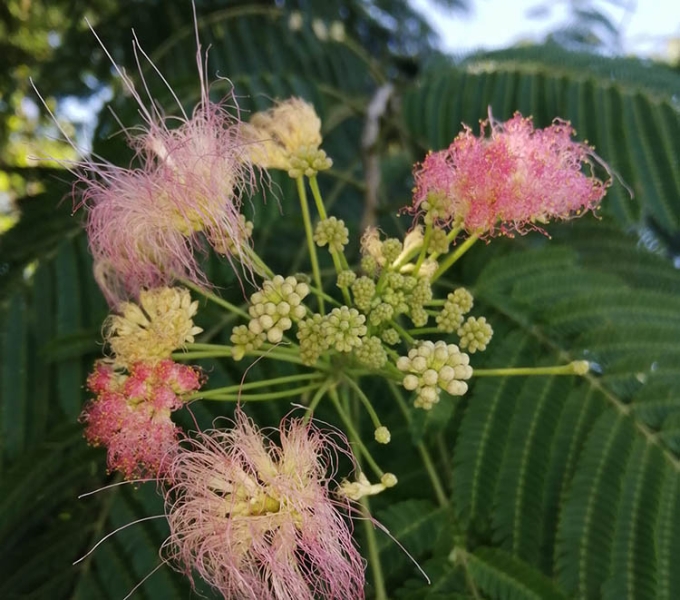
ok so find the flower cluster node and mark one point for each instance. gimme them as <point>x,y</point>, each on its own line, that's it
<point>256,519</point>
<point>343,328</point>
<point>346,279</point>
<point>130,414</point>
<point>371,353</point>
<point>458,303</point>
<point>332,232</point>
<point>475,334</point>
<point>274,308</point>
<point>150,331</point>
<point>432,367</point>
<point>383,435</point>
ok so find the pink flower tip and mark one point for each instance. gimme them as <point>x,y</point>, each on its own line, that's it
<point>130,414</point>
<point>145,225</point>
<point>257,519</point>
<point>512,180</point>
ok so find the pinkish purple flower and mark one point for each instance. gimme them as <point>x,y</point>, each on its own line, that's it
<point>511,181</point>
<point>256,519</point>
<point>131,414</point>
<point>146,224</point>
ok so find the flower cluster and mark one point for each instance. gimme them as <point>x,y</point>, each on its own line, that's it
<point>257,520</point>
<point>130,414</point>
<point>287,137</point>
<point>511,181</point>
<point>145,224</point>
<point>432,367</point>
<point>161,323</point>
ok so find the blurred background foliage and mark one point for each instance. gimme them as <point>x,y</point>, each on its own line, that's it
<point>556,487</point>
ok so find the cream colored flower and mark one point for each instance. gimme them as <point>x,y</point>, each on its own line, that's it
<point>287,137</point>
<point>161,323</point>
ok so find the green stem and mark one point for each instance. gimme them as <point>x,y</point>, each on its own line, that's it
<point>577,367</point>
<point>423,250</point>
<point>354,436</point>
<point>454,256</point>
<point>428,463</point>
<point>365,401</point>
<point>216,299</point>
<point>317,399</point>
<point>252,385</point>
<point>201,354</point>
<point>373,553</point>
<point>265,271</point>
<point>316,192</point>
<point>402,332</point>
<point>426,330</point>
<point>311,245</point>
<point>338,269</point>
<point>255,397</point>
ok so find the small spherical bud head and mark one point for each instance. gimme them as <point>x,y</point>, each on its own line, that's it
<point>389,480</point>
<point>346,279</point>
<point>580,367</point>
<point>391,249</point>
<point>382,435</point>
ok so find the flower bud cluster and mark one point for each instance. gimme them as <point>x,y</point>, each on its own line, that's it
<point>274,308</point>
<point>475,334</point>
<point>371,353</point>
<point>244,340</point>
<point>346,279</point>
<point>308,160</point>
<point>458,303</point>
<point>438,241</point>
<point>332,232</point>
<point>399,294</point>
<point>432,367</point>
<point>342,329</point>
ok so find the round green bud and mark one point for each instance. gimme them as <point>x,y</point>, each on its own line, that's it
<point>382,435</point>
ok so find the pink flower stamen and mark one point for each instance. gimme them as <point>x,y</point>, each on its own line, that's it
<point>511,181</point>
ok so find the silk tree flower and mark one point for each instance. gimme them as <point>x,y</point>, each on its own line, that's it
<point>511,181</point>
<point>145,224</point>
<point>256,519</point>
<point>287,137</point>
<point>130,414</point>
<point>150,331</point>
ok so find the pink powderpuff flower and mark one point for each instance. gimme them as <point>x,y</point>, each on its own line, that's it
<point>511,181</point>
<point>256,520</point>
<point>145,224</point>
<point>131,414</point>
